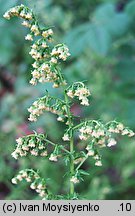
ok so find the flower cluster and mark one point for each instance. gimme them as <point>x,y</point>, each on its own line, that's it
<point>78,174</point>
<point>60,51</point>
<point>47,34</point>
<point>36,145</point>
<point>20,11</point>
<point>74,179</point>
<point>92,151</point>
<point>91,129</point>
<point>46,73</point>
<point>101,135</point>
<point>33,144</point>
<point>101,132</point>
<point>37,183</point>
<point>53,157</point>
<point>39,51</point>
<point>55,154</point>
<point>66,137</point>
<point>80,91</point>
<point>45,59</point>
<point>46,103</point>
<point>45,66</point>
<point>115,127</point>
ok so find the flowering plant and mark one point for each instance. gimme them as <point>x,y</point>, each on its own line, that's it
<point>93,133</point>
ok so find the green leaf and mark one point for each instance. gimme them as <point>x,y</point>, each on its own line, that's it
<point>98,35</point>
<point>130,8</point>
<point>76,39</point>
<point>115,23</point>
<point>125,70</point>
<point>82,172</point>
<point>99,39</point>
<point>89,36</point>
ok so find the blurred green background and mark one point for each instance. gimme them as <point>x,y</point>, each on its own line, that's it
<point>101,38</point>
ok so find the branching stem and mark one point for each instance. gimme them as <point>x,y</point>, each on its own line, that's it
<point>71,145</point>
<point>50,142</point>
<point>82,162</point>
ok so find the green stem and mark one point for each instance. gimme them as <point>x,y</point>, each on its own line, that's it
<point>88,121</point>
<point>71,166</point>
<point>57,144</point>
<point>78,167</point>
<point>31,170</point>
<point>50,142</point>
<point>71,145</point>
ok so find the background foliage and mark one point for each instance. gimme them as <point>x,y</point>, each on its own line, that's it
<point>101,38</point>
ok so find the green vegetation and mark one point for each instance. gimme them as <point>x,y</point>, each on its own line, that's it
<point>100,37</point>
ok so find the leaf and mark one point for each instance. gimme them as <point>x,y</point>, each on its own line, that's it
<point>130,8</point>
<point>98,35</point>
<point>102,13</point>
<point>66,160</point>
<point>125,70</point>
<point>99,39</point>
<point>115,23</point>
<point>128,171</point>
<point>82,172</point>
<point>7,45</point>
<point>89,36</point>
<point>76,39</point>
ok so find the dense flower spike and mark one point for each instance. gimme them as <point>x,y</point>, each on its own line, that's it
<point>80,91</point>
<point>94,134</point>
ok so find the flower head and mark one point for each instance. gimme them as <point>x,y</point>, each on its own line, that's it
<point>29,37</point>
<point>111,142</point>
<point>7,15</point>
<point>70,93</point>
<point>74,179</point>
<point>47,33</point>
<point>26,24</point>
<point>66,137</point>
<point>15,155</point>
<point>98,163</point>
<point>35,29</point>
<point>14,180</point>
<point>53,157</point>
<point>80,91</point>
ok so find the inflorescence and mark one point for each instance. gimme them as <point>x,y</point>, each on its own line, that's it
<point>46,59</point>
<point>94,134</point>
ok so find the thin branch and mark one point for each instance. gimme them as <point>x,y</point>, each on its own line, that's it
<point>82,162</point>
<point>58,145</point>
